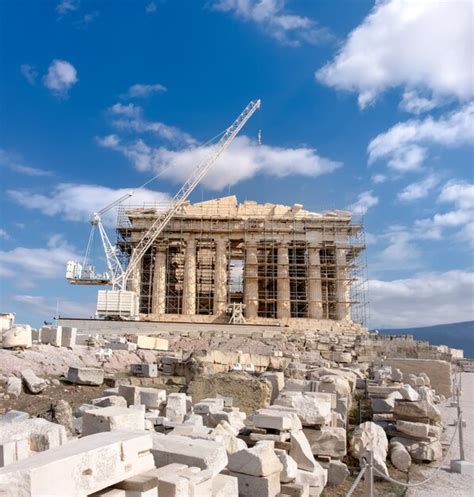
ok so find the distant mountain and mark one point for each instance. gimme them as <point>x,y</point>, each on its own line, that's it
<point>454,335</point>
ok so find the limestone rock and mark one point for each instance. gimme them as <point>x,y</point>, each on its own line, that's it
<point>421,451</point>
<point>277,380</point>
<point>409,393</point>
<point>110,400</point>
<point>32,382</point>
<point>337,472</point>
<point>417,409</point>
<point>370,436</point>
<point>328,441</point>
<point>277,418</point>
<point>176,407</point>
<point>112,419</point>
<point>14,386</point>
<point>232,443</point>
<point>260,460</point>
<point>417,430</point>
<point>63,415</point>
<point>85,376</point>
<point>313,408</point>
<point>18,336</point>
<point>399,456</point>
<point>290,467</point>
<point>300,451</point>
<point>387,404</point>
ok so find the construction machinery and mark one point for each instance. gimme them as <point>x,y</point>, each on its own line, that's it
<point>120,302</point>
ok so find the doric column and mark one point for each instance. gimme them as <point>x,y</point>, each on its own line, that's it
<point>315,296</point>
<point>251,280</point>
<point>283,282</point>
<point>343,306</point>
<point>189,283</point>
<point>220,277</point>
<point>159,280</point>
<point>134,283</point>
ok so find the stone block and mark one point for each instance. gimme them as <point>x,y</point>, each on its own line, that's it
<point>277,380</point>
<point>68,336</point>
<point>150,343</point>
<point>81,467</point>
<point>39,434</point>
<point>294,490</point>
<point>146,370</point>
<point>112,419</point>
<point>417,430</point>
<point>288,473</point>
<point>225,486</point>
<point>370,436</point>
<point>313,408</point>
<point>337,472</point>
<point>110,400</point>
<point>51,335</point>
<point>204,454</point>
<point>421,409</point>
<point>85,376</point>
<point>300,451</point>
<point>152,398</point>
<point>316,478</point>
<point>328,441</point>
<point>33,382</point>
<point>260,460</point>
<point>261,486</point>
<point>208,406</point>
<point>176,407</point>
<point>277,418</point>
<point>18,336</point>
<point>409,393</point>
<point>399,456</point>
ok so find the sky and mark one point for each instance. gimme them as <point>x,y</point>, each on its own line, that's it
<point>366,106</point>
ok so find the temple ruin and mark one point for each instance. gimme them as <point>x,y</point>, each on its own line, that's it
<point>273,262</point>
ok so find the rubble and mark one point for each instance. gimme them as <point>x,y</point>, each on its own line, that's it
<point>32,382</point>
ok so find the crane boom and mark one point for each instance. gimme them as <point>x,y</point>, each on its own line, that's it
<point>120,281</point>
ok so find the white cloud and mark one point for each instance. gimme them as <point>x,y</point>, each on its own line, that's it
<point>76,202</point>
<point>379,178</point>
<point>4,234</point>
<point>242,160</point>
<point>61,77</point>
<point>16,164</point>
<point>66,6</point>
<point>150,8</point>
<point>404,145</point>
<point>364,202</point>
<point>47,307</point>
<point>86,19</point>
<point>419,189</point>
<point>271,15</point>
<point>29,72</point>
<point>23,263</point>
<point>142,91</point>
<point>414,103</point>
<point>460,194</point>
<point>424,45</point>
<point>130,118</point>
<point>422,300</point>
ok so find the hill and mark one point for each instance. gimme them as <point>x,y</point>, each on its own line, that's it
<point>455,335</point>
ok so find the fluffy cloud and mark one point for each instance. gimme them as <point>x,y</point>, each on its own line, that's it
<point>16,164</point>
<point>24,263</point>
<point>29,72</point>
<point>4,234</point>
<point>46,307</point>
<point>425,45</point>
<point>242,160</point>
<point>422,300</point>
<point>364,202</point>
<point>415,103</point>
<point>404,145</point>
<point>61,77</point>
<point>130,118</point>
<point>76,202</point>
<point>271,15</point>
<point>419,189</point>
<point>142,91</point>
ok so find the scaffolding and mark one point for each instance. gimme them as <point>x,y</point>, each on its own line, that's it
<point>341,272</point>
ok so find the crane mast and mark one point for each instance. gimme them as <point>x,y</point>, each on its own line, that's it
<point>120,302</point>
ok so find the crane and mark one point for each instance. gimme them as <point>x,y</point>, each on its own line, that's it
<point>119,299</point>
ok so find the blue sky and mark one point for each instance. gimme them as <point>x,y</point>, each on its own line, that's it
<point>365,106</point>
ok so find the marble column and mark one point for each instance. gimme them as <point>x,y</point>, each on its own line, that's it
<point>220,277</point>
<point>251,280</point>
<point>189,283</point>
<point>159,281</point>
<point>343,306</point>
<point>283,282</point>
<point>315,296</point>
